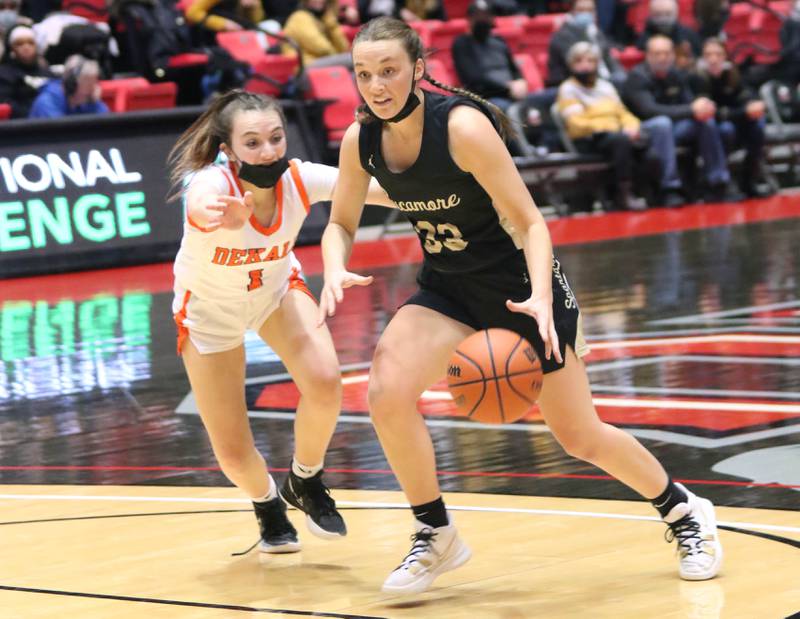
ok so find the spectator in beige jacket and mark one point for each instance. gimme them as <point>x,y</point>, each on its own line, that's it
<point>597,120</point>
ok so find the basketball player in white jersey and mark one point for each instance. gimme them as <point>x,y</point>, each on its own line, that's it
<point>235,271</point>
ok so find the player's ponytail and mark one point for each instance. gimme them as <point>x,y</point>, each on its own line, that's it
<point>199,145</point>
<point>391,29</point>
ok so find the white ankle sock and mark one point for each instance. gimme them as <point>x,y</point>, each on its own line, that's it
<point>271,493</point>
<point>303,471</point>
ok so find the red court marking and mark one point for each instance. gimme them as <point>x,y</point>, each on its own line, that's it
<point>373,254</point>
<point>709,482</point>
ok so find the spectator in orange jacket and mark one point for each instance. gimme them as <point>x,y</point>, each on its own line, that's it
<point>315,28</point>
<point>224,15</point>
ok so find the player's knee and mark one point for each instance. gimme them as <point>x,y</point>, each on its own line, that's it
<point>326,388</point>
<point>233,459</point>
<point>579,444</point>
<point>386,401</point>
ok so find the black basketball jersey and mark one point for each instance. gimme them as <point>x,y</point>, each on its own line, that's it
<point>453,216</point>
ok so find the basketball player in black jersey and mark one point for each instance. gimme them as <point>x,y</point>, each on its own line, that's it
<point>488,263</point>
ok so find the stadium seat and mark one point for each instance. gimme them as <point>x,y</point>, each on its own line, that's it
<point>456,8</point>
<point>628,57</point>
<point>510,21</point>
<point>93,10</point>
<point>539,30</point>
<point>438,71</point>
<point>152,97</point>
<point>271,72</point>
<point>765,27</point>
<point>335,85</point>
<point>737,28</point>
<point>5,111</point>
<point>187,60</point>
<point>113,92</point>
<point>350,31</point>
<point>513,36</point>
<point>423,28</point>
<point>440,40</point>
<point>531,73</point>
<point>244,45</point>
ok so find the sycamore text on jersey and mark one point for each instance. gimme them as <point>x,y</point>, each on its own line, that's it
<point>429,205</point>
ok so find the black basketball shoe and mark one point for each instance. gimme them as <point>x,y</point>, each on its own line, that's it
<point>278,535</point>
<point>312,497</point>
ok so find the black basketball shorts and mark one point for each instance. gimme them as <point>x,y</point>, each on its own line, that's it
<point>478,300</point>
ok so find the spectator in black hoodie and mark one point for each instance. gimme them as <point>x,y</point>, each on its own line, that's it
<point>656,89</point>
<point>740,113</point>
<point>22,71</point>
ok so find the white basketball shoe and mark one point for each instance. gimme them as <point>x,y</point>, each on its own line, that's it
<point>433,552</point>
<point>693,526</point>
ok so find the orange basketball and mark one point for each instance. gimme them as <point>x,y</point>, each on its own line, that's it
<point>494,376</point>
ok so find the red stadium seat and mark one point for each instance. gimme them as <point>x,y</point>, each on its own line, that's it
<point>113,92</point>
<point>440,40</point>
<point>539,30</point>
<point>350,31</point>
<point>439,71</point>
<point>94,10</point>
<point>271,73</point>
<point>187,60</point>
<point>335,84</point>
<point>152,97</point>
<point>737,27</point>
<point>423,28</point>
<point>765,30</point>
<point>244,45</point>
<point>531,73</point>
<point>510,21</point>
<point>5,111</point>
<point>628,57</point>
<point>456,8</point>
<point>513,36</point>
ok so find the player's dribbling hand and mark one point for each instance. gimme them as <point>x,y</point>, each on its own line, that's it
<point>333,291</point>
<point>231,212</point>
<point>542,312</point>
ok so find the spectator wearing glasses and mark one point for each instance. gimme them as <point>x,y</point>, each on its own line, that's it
<point>22,71</point>
<point>77,92</point>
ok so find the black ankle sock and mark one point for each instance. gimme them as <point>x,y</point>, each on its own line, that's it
<point>668,499</point>
<point>433,514</point>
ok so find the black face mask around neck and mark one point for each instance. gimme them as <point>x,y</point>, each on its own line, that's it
<point>410,105</point>
<point>587,78</point>
<point>263,175</point>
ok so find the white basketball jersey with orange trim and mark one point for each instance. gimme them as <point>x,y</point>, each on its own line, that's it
<point>231,263</point>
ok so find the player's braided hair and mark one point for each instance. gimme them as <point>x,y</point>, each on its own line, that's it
<point>391,29</point>
<point>199,144</point>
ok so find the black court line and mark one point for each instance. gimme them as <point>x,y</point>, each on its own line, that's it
<point>769,536</point>
<point>128,598</point>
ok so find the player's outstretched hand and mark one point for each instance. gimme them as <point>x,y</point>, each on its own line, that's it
<point>542,311</point>
<point>231,212</point>
<point>333,291</point>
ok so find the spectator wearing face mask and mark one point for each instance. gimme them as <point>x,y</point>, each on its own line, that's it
<point>484,63</point>
<point>663,20</point>
<point>77,92</point>
<point>598,121</point>
<point>739,115</point>
<point>657,89</point>
<point>581,25</point>
<point>22,71</point>
<point>315,27</point>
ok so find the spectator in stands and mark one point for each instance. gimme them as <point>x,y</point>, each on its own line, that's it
<point>711,16</point>
<point>657,89</point>
<point>581,25</point>
<point>484,63</point>
<point>77,92</point>
<point>740,114</point>
<point>407,10</point>
<point>315,28</point>
<point>224,15</point>
<point>598,121</point>
<point>279,10</point>
<point>10,17</point>
<point>22,71</point>
<point>663,20</point>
